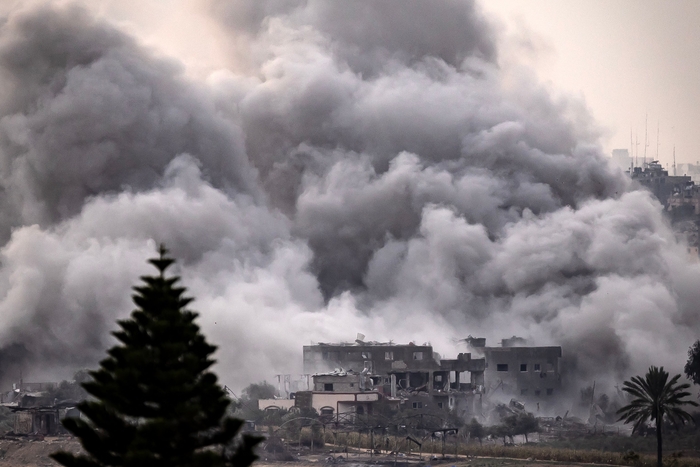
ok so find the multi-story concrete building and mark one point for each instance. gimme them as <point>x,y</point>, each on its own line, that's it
<point>687,194</point>
<point>656,179</point>
<point>527,373</point>
<point>350,378</point>
<point>377,358</point>
<point>410,375</point>
<point>415,367</point>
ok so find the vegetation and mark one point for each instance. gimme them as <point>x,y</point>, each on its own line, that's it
<point>687,438</point>
<point>656,398</point>
<point>476,430</point>
<point>154,401</point>
<point>247,406</point>
<point>71,390</point>
<point>525,424</point>
<point>692,366</point>
<point>516,424</point>
<point>531,452</point>
<point>257,391</point>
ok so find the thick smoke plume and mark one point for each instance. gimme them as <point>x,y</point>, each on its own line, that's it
<point>359,167</point>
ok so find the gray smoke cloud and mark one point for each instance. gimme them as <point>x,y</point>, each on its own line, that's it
<point>86,111</point>
<point>365,167</point>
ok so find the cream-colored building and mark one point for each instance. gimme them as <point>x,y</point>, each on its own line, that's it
<point>336,406</point>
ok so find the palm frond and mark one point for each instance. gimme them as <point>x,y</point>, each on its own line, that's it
<point>655,397</point>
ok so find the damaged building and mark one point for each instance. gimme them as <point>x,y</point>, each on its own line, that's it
<point>514,369</point>
<point>35,412</point>
<point>659,182</point>
<point>344,380</point>
<point>408,375</point>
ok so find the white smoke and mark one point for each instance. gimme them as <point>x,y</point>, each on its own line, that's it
<point>364,167</point>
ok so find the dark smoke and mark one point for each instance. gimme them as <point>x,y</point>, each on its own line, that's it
<point>365,167</point>
<point>86,111</point>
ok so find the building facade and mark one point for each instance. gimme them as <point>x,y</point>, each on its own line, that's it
<point>408,375</point>
<point>658,181</point>
<point>527,373</point>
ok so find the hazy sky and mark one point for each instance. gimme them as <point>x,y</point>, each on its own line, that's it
<point>626,58</point>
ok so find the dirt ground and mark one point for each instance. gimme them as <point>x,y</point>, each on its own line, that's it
<point>29,453</point>
<point>325,460</point>
<point>35,453</point>
<point>475,462</point>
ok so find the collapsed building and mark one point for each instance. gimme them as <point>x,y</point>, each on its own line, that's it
<point>411,375</point>
<point>348,379</point>
<point>35,412</point>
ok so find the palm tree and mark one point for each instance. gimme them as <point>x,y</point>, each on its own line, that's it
<point>655,398</point>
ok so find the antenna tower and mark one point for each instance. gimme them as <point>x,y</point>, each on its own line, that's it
<point>631,152</point>
<point>657,140</point>
<point>674,160</point>
<point>646,138</point>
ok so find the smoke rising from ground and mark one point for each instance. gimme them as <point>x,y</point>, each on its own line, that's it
<point>390,178</point>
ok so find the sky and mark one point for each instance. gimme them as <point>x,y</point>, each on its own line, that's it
<point>625,59</point>
<point>409,170</point>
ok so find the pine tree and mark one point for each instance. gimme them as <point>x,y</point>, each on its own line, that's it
<point>154,401</point>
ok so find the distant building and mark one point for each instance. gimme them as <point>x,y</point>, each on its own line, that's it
<point>37,412</point>
<point>687,232</point>
<point>412,376</point>
<point>621,158</point>
<point>377,358</point>
<point>349,379</point>
<point>415,366</point>
<point>338,396</point>
<point>685,195</point>
<point>658,181</point>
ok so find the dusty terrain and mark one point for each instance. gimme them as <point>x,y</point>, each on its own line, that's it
<point>29,453</point>
<point>473,462</point>
<point>35,453</point>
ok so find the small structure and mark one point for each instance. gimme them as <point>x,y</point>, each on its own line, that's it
<point>35,412</point>
<point>36,420</point>
<point>42,419</point>
<point>338,396</point>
